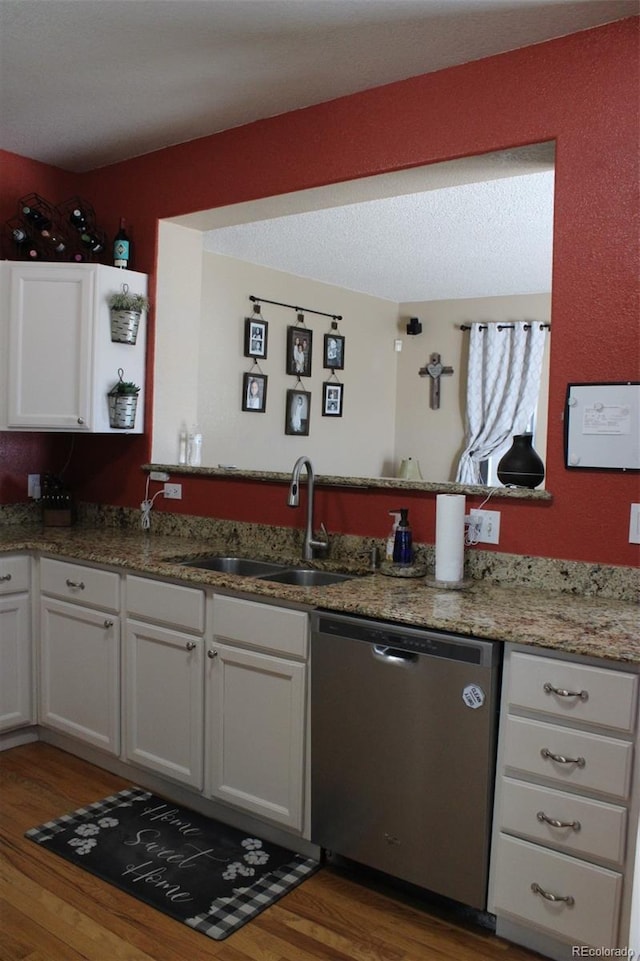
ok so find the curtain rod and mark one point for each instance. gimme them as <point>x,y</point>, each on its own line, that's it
<point>504,326</point>
<point>305,310</point>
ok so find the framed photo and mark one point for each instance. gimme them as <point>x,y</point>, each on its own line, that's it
<point>334,351</point>
<point>332,398</point>
<point>299,344</point>
<point>256,331</point>
<point>297,412</point>
<point>254,392</point>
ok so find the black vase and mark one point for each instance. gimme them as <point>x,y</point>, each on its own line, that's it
<point>521,466</point>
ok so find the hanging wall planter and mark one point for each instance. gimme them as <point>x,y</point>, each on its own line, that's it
<point>126,311</point>
<point>123,403</point>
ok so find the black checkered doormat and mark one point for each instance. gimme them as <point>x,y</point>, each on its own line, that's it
<point>211,877</point>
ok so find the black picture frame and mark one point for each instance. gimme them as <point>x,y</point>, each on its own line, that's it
<point>332,395</point>
<point>256,333</point>
<point>254,399</point>
<point>297,412</point>
<point>333,353</point>
<point>299,351</point>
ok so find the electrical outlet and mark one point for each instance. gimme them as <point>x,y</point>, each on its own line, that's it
<point>634,524</point>
<point>33,486</point>
<point>173,491</point>
<point>489,532</point>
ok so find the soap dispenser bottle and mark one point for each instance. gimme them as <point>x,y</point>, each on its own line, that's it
<point>391,539</point>
<point>402,547</point>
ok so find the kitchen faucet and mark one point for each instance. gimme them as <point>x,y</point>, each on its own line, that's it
<point>309,544</point>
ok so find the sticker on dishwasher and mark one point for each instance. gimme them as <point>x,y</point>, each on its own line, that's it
<point>473,696</point>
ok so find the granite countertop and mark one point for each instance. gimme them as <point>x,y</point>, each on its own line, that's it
<point>592,626</point>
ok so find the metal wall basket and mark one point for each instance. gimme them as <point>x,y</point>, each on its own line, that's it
<point>122,405</point>
<point>124,326</point>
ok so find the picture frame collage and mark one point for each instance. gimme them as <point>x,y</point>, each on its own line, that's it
<point>298,363</point>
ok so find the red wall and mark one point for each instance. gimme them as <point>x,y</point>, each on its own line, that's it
<point>580,91</point>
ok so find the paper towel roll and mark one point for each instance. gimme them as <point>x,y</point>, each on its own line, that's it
<point>450,511</point>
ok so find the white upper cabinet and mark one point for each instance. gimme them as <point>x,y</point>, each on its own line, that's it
<point>56,343</point>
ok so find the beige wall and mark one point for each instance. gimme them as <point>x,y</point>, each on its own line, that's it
<point>434,437</point>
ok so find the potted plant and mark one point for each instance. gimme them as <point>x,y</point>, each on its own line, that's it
<point>123,402</point>
<point>126,310</point>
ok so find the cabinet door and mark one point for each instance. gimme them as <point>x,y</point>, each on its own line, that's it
<point>164,699</point>
<point>255,732</point>
<point>16,707</point>
<point>50,347</point>
<point>79,673</point>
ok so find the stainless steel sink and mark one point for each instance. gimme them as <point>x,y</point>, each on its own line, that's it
<point>306,577</point>
<point>244,566</point>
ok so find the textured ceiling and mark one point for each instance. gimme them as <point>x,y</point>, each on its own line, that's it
<point>489,237</point>
<point>85,83</point>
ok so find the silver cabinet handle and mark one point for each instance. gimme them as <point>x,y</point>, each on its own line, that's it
<point>81,420</point>
<point>567,898</point>
<point>5,577</point>
<point>190,645</point>
<point>211,654</point>
<point>561,692</point>
<point>575,825</point>
<point>78,584</point>
<point>108,624</point>
<point>547,754</point>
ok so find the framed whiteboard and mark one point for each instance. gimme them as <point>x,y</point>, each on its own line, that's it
<point>602,426</point>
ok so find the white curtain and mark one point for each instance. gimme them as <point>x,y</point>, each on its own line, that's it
<point>503,384</point>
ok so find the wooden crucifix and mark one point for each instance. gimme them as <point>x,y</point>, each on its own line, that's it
<point>434,369</point>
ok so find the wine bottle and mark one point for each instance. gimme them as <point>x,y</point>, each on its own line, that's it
<point>78,218</point>
<point>121,246</point>
<point>36,218</point>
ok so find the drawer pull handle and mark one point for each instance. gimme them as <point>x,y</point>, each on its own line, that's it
<point>562,692</point>
<point>108,624</point>
<point>575,825</point>
<point>5,577</point>
<point>78,584</point>
<point>211,654</point>
<point>567,898</point>
<point>547,754</point>
<point>190,645</point>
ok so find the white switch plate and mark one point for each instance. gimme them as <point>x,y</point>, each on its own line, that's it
<point>173,491</point>
<point>489,532</point>
<point>634,524</point>
<point>33,485</point>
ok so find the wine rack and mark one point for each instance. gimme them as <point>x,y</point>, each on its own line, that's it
<point>42,231</point>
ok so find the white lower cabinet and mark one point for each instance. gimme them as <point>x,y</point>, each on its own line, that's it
<point>562,865</point>
<point>79,673</point>
<point>16,702</point>
<point>80,652</point>
<point>163,672</point>
<point>256,679</point>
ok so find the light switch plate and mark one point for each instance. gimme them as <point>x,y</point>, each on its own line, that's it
<point>489,532</point>
<point>634,524</point>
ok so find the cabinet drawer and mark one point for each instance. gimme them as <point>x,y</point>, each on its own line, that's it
<point>593,917</point>
<point>607,760</point>
<point>608,697</point>
<point>14,574</point>
<point>166,603</point>
<point>75,582</point>
<point>594,829</point>
<point>262,626</point>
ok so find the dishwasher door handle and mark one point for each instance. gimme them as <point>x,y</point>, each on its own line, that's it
<point>392,654</point>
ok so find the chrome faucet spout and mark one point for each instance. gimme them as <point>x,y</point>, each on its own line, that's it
<point>293,500</point>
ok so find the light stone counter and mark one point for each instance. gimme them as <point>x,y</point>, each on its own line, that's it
<point>561,620</point>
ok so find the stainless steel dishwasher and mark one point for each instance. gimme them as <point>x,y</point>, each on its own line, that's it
<point>403,738</point>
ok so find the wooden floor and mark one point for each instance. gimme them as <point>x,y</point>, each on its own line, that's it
<point>51,910</point>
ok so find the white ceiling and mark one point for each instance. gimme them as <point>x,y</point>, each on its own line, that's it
<point>86,83</point>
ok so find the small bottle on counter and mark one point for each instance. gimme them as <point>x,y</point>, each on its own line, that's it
<point>194,447</point>
<point>403,546</point>
<point>182,445</point>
